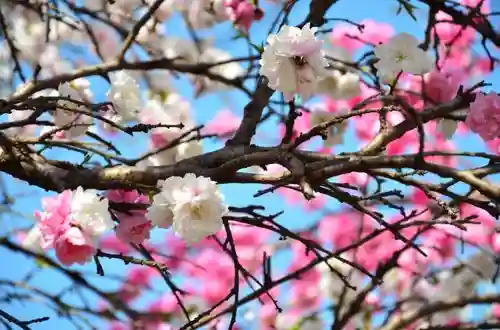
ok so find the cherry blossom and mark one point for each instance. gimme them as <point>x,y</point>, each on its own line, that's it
<point>125,95</point>
<point>293,61</point>
<point>223,123</point>
<point>71,223</point>
<point>74,246</point>
<point>132,123</point>
<point>351,38</point>
<point>483,117</point>
<point>71,117</point>
<point>243,13</point>
<point>401,54</point>
<point>133,226</point>
<point>342,82</point>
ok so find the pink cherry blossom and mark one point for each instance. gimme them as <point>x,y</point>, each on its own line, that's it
<point>413,261</point>
<point>176,248</point>
<point>141,276</point>
<point>440,87</point>
<point>373,32</point>
<point>137,279</point>
<point>243,13</point>
<point>405,143</point>
<point>442,145</point>
<point>224,123</point>
<point>481,232</point>
<point>305,290</point>
<point>451,33</point>
<point>249,242</point>
<point>494,145</point>
<point>378,249</point>
<point>366,126</point>
<point>453,58</point>
<point>496,243</point>
<point>53,132</point>
<point>294,197</point>
<point>495,311</point>
<point>133,226</point>
<point>301,256</point>
<point>214,267</point>
<point>356,179</point>
<point>419,197</point>
<point>481,66</point>
<point>127,196</point>
<point>484,5</point>
<point>441,243</point>
<point>74,246</point>
<point>165,304</point>
<point>157,139</point>
<point>117,326</point>
<point>214,292</point>
<point>339,230</point>
<point>216,261</point>
<point>111,243</point>
<point>484,116</point>
<point>54,220</point>
<point>268,314</point>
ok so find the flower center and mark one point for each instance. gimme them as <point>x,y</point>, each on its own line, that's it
<point>196,210</point>
<point>299,61</point>
<point>400,57</point>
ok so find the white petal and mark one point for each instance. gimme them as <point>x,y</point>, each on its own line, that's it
<point>447,127</point>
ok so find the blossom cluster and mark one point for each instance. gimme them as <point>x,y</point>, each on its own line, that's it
<point>295,62</point>
<point>73,222</point>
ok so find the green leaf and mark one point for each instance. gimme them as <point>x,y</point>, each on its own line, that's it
<point>163,95</point>
<point>41,263</point>
<point>408,7</point>
<point>86,159</point>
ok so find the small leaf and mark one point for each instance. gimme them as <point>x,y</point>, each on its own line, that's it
<point>86,158</point>
<point>408,7</point>
<point>41,263</point>
<point>163,95</point>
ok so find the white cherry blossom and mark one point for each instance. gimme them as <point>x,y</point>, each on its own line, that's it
<point>160,210</point>
<point>205,13</point>
<point>335,133</point>
<point>175,154</point>
<point>331,285</point>
<point>230,70</point>
<point>95,4</point>
<point>196,203</point>
<point>173,110</point>
<point>293,61</point>
<point>76,122</point>
<point>90,212</point>
<point>449,126</point>
<point>125,94</point>
<point>25,130</point>
<point>401,53</point>
<point>341,82</point>
<point>188,150</point>
<point>33,240</point>
<point>167,8</point>
<point>29,38</point>
<point>180,49</point>
<point>123,8</point>
<point>340,86</point>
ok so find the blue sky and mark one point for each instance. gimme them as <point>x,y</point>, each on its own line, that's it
<point>15,266</point>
